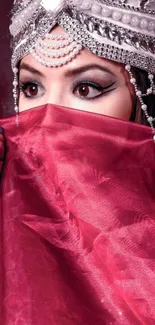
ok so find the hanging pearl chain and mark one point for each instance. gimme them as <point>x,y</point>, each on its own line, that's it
<point>15,89</point>
<point>16,94</point>
<point>56,62</point>
<point>58,53</point>
<point>55,45</point>
<point>140,96</point>
<point>57,37</point>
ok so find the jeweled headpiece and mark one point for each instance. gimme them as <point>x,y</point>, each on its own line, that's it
<point>119,30</point>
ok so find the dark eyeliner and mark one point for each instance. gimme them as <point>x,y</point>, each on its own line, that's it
<point>96,86</point>
<point>89,83</point>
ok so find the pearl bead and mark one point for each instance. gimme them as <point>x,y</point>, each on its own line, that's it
<point>150,119</point>
<point>15,83</point>
<point>135,21</point>
<point>106,12</point>
<point>16,109</point>
<point>151,26</point>
<point>139,93</point>
<point>128,67</point>
<point>151,76</point>
<point>154,138</point>
<point>126,19</point>
<point>144,24</point>
<point>116,15</point>
<point>15,70</point>
<point>133,81</point>
<point>96,8</point>
<point>149,91</point>
<point>144,107</point>
<point>86,5</point>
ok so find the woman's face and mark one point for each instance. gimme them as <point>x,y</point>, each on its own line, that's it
<point>87,83</point>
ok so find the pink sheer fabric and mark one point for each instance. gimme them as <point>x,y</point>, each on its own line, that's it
<point>77,220</point>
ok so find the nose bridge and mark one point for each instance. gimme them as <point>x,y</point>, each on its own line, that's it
<point>56,89</point>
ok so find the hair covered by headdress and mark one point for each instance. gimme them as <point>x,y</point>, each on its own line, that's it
<point>119,30</point>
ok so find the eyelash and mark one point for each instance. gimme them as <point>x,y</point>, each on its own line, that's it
<point>24,85</point>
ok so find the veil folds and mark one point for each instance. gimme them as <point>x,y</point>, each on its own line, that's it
<point>77,204</point>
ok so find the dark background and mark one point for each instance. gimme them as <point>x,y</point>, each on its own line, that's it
<point>6,102</point>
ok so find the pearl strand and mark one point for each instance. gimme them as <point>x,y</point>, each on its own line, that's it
<point>23,17</point>
<point>56,54</point>
<point>56,63</point>
<point>66,50</point>
<point>133,20</point>
<point>15,89</point>
<point>140,96</point>
<point>57,45</point>
<point>57,36</point>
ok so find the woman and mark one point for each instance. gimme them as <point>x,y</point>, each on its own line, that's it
<point>77,185</point>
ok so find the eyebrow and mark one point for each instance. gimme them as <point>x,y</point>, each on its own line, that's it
<point>86,68</point>
<point>27,67</point>
<point>68,73</point>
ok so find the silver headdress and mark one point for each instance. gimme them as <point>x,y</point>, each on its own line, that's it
<point>119,30</point>
<point>115,29</point>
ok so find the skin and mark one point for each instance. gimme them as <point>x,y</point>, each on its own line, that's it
<point>63,86</point>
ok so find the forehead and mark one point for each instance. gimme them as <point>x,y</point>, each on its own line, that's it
<point>83,58</point>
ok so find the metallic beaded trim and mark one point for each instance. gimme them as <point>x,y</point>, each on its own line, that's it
<point>36,30</point>
<point>116,33</point>
<point>140,96</point>
<point>122,5</point>
<point>81,35</point>
<point>32,20</point>
<point>18,7</point>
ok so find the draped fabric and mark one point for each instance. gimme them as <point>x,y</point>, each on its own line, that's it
<point>77,223</point>
<point>1,149</point>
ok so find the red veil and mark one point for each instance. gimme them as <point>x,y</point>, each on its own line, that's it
<point>77,220</point>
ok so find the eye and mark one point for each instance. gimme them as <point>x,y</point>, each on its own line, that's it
<point>31,90</point>
<point>90,90</point>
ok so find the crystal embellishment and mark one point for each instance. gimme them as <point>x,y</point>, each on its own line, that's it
<point>53,6</point>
